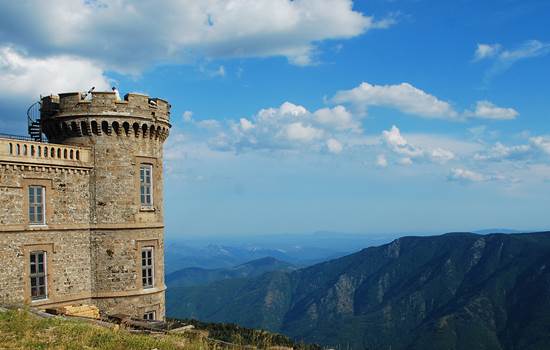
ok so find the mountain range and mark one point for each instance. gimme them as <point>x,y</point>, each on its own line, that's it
<point>454,291</point>
<point>196,276</point>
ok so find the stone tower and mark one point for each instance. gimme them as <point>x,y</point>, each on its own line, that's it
<point>125,139</point>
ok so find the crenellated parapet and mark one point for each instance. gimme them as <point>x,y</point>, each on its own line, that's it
<point>70,115</point>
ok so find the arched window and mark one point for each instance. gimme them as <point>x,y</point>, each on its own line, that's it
<point>52,152</point>
<point>39,151</point>
<point>95,129</point>
<point>116,127</point>
<point>65,154</point>
<point>135,126</point>
<point>11,148</point>
<point>126,127</point>
<point>84,128</point>
<point>144,130</point>
<point>45,152</point>
<point>71,154</point>
<point>77,155</point>
<point>105,127</point>
<point>32,150</point>
<point>25,150</point>
<point>59,153</point>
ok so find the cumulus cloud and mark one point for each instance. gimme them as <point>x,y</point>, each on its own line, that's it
<point>414,101</point>
<point>338,118</point>
<point>288,127</point>
<point>404,97</point>
<point>465,176</point>
<point>403,148</point>
<point>542,143</point>
<point>504,59</point>
<point>22,76</point>
<point>180,30</point>
<point>397,143</point>
<point>487,110</point>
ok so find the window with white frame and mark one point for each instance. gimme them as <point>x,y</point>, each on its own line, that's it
<point>38,276</point>
<point>37,207</point>
<point>149,316</point>
<point>147,267</point>
<point>146,185</point>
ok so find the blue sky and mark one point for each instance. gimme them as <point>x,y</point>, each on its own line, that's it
<point>298,116</point>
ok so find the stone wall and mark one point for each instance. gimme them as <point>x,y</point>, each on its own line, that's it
<point>67,194</point>
<point>68,265</point>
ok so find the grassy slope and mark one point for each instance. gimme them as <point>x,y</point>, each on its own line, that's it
<point>22,330</point>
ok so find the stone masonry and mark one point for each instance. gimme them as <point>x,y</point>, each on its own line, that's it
<point>96,226</point>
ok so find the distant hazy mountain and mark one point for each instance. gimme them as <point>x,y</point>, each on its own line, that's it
<point>299,249</point>
<point>498,230</point>
<point>194,276</point>
<point>455,291</point>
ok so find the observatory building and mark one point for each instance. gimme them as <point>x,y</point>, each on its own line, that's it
<point>81,215</point>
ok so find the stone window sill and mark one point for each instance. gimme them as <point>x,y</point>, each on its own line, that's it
<point>147,209</point>
<point>38,226</point>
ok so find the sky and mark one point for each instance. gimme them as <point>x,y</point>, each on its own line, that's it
<point>299,116</point>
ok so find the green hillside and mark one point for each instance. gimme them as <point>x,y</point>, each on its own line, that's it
<point>194,276</point>
<point>455,291</point>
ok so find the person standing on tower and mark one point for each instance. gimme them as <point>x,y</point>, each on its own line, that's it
<point>117,95</point>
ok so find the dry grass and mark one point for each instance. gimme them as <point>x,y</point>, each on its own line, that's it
<point>22,330</point>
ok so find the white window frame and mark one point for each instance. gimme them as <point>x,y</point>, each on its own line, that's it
<point>150,316</point>
<point>37,274</point>
<point>143,186</point>
<point>147,270</point>
<point>33,204</point>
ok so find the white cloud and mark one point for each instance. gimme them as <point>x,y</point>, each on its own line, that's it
<point>441,155</point>
<point>465,175</point>
<point>487,110</point>
<point>246,124</point>
<point>405,161</point>
<point>337,117</point>
<point>381,161</point>
<point>398,144</point>
<point>486,50</point>
<point>504,59</point>
<point>22,76</point>
<point>334,146</point>
<point>181,30</point>
<point>408,152</point>
<point>288,127</point>
<point>411,100</point>
<point>187,116</point>
<point>208,124</point>
<point>404,97</point>
<point>501,152</point>
<point>303,133</point>
<point>542,143</point>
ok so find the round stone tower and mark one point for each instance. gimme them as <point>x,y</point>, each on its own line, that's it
<point>126,195</point>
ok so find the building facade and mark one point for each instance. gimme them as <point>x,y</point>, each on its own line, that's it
<point>81,216</point>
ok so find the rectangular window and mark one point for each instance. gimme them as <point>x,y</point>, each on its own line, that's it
<point>147,267</point>
<point>37,208</point>
<point>149,316</point>
<point>38,275</point>
<point>146,185</point>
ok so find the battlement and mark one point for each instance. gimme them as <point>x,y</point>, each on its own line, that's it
<point>105,103</point>
<point>71,115</point>
<point>38,153</point>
